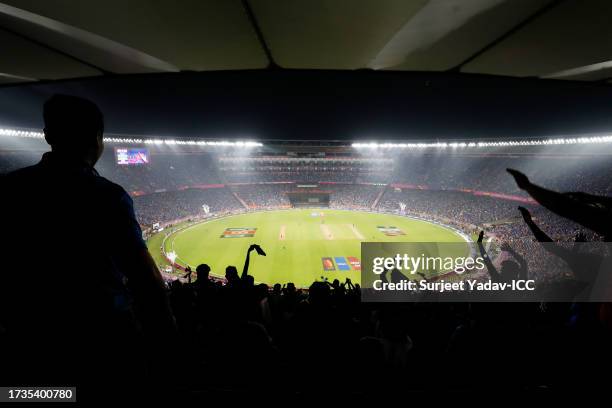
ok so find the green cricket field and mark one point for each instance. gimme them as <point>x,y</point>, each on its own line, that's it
<point>302,245</point>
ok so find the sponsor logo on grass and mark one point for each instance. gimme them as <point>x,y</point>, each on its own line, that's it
<point>355,262</point>
<point>328,264</point>
<point>341,263</point>
<point>239,232</point>
<point>390,231</point>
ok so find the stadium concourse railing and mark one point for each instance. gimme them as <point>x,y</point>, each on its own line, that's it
<point>194,220</point>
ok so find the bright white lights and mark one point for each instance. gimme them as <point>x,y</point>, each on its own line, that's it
<point>129,140</point>
<point>182,142</point>
<point>21,133</point>
<point>541,142</point>
<point>121,140</point>
<point>370,145</point>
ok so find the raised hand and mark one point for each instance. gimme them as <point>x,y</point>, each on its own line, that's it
<point>245,269</point>
<point>522,181</point>
<point>525,213</point>
<point>480,237</point>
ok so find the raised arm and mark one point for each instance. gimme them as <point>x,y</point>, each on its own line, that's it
<point>581,208</point>
<point>490,268</point>
<point>187,274</point>
<point>536,231</point>
<point>542,237</point>
<point>583,266</point>
<point>245,269</point>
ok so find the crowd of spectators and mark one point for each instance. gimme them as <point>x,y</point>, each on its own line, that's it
<point>269,331</point>
<point>469,212</point>
<point>586,173</point>
<point>440,171</point>
<point>174,205</point>
<point>236,326</point>
<point>264,195</point>
<point>464,208</point>
<point>353,196</point>
<point>164,172</point>
<point>107,323</point>
<point>163,189</point>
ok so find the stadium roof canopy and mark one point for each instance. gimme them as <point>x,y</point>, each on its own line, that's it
<point>64,39</point>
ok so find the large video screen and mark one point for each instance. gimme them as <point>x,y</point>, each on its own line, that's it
<point>132,156</point>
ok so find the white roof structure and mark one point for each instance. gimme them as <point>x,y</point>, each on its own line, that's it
<point>65,39</point>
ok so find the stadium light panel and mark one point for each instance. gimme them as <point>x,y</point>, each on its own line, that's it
<point>21,133</point>
<point>129,140</point>
<point>8,132</point>
<point>501,143</point>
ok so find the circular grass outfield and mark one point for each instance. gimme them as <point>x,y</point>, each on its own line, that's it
<point>301,245</point>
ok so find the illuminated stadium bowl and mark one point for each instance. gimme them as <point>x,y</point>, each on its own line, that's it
<point>302,245</point>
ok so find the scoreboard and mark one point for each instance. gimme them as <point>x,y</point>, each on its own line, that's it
<point>132,156</point>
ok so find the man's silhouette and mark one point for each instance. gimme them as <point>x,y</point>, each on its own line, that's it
<point>78,284</point>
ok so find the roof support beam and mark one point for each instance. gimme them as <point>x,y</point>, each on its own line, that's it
<point>58,51</point>
<point>260,37</point>
<point>537,14</point>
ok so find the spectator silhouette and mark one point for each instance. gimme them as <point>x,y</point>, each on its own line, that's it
<point>202,274</point>
<point>589,210</point>
<point>585,266</point>
<point>80,283</point>
<point>510,270</point>
<point>231,276</point>
<point>188,273</point>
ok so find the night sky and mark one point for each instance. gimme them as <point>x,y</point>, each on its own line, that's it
<point>327,105</point>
